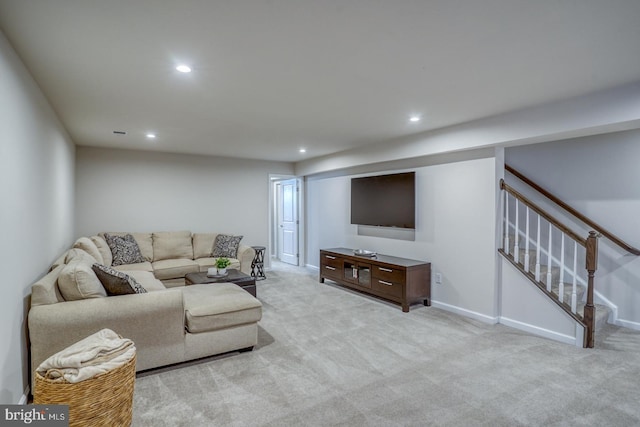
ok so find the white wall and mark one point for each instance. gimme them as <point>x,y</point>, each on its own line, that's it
<point>36,215</point>
<point>455,229</point>
<point>144,191</point>
<point>526,307</point>
<point>600,177</point>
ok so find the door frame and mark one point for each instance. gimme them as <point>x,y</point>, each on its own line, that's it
<point>272,250</point>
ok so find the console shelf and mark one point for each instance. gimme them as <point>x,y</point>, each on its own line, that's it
<point>401,280</point>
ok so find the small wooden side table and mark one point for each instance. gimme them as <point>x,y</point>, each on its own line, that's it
<point>257,265</point>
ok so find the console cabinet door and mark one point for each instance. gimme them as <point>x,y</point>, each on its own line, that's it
<point>357,273</point>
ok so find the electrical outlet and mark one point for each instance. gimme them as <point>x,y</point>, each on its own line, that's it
<point>438,278</point>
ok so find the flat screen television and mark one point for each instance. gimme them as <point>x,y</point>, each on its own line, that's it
<point>384,200</point>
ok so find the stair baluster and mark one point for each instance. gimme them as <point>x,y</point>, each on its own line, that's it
<point>506,225</point>
<point>538,244</point>
<point>549,262</point>
<point>574,295</point>
<point>561,283</point>
<point>526,248</point>
<point>516,236</point>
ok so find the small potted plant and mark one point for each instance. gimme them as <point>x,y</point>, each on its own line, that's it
<point>221,264</point>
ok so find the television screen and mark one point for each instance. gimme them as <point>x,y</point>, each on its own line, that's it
<point>384,200</point>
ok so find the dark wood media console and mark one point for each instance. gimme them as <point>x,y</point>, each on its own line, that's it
<point>400,280</point>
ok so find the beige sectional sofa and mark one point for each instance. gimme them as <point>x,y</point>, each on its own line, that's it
<point>170,323</point>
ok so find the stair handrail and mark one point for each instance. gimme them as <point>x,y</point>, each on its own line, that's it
<point>575,236</point>
<point>598,228</point>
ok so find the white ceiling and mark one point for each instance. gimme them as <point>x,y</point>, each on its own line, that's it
<point>271,76</point>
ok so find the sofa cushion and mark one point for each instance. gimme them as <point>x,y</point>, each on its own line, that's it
<point>173,268</point>
<point>125,249</point>
<point>203,244</point>
<point>103,247</point>
<point>206,263</point>
<point>87,245</point>
<point>209,307</point>
<point>138,266</point>
<point>45,290</point>
<point>61,260</point>
<point>226,246</point>
<point>78,281</point>
<point>78,253</point>
<point>116,282</point>
<point>147,280</point>
<point>172,245</point>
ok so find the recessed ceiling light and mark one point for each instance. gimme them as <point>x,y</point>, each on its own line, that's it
<point>414,118</point>
<point>183,68</point>
<point>151,135</point>
<point>303,150</point>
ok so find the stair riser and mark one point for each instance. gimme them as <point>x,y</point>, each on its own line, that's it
<point>580,291</point>
<point>602,314</point>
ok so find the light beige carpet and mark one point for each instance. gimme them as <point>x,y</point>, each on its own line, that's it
<point>331,357</point>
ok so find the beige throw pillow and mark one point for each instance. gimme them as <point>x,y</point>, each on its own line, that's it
<point>103,247</point>
<point>77,280</point>
<point>87,245</point>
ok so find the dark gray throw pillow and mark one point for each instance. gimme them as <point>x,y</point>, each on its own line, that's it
<point>226,246</point>
<point>125,249</point>
<point>116,282</point>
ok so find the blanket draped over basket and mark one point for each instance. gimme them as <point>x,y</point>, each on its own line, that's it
<point>97,354</point>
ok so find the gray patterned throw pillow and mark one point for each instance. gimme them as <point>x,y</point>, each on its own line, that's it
<point>125,249</point>
<point>116,282</point>
<point>226,246</point>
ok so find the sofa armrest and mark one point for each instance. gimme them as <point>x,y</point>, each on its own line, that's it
<point>245,256</point>
<point>153,321</point>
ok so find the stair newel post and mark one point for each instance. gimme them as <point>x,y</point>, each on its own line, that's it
<point>561,283</point>
<point>574,295</point>
<point>516,237</point>
<point>526,247</point>
<point>538,251</point>
<point>549,262</point>
<point>589,315</point>
<point>506,222</point>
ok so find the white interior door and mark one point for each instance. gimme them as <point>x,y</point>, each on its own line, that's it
<point>288,221</point>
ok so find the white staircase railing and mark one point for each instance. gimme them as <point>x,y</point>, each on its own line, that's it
<point>560,246</point>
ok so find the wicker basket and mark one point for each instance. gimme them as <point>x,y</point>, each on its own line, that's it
<point>104,400</point>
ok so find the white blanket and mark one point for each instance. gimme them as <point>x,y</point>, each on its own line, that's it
<point>101,352</point>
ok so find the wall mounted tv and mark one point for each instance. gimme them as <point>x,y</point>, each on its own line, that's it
<point>384,200</point>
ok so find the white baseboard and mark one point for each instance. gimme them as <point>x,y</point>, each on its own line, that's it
<point>536,330</point>
<point>613,317</point>
<point>464,312</point>
<point>25,397</point>
<point>627,324</point>
<point>313,267</point>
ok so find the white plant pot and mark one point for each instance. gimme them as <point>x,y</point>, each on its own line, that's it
<point>222,271</point>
